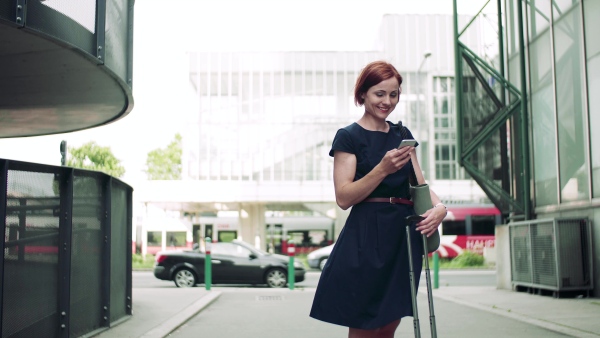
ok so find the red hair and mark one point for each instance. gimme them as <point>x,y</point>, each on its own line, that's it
<point>372,74</point>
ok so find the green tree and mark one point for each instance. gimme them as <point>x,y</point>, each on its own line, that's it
<point>165,163</point>
<point>94,157</point>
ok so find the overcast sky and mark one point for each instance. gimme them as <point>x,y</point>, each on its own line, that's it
<point>165,30</point>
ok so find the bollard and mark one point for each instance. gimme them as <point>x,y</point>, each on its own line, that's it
<point>207,264</point>
<point>436,270</point>
<point>291,269</point>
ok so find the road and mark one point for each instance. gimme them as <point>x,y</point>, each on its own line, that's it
<point>145,279</point>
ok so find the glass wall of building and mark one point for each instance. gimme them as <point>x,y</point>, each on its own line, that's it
<point>560,83</point>
<point>591,13</point>
<point>447,165</point>
<point>570,97</point>
<point>271,116</point>
<point>542,106</point>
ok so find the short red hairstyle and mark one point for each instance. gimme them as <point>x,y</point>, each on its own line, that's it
<point>371,75</point>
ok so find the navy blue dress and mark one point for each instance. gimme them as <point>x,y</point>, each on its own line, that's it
<point>365,283</point>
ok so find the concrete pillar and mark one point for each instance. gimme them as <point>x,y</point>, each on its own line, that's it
<point>144,242</point>
<point>252,224</point>
<point>144,234</point>
<point>503,263</point>
<point>469,225</point>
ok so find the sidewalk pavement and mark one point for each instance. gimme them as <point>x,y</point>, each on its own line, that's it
<point>577,317</point>
<point>159,311</point>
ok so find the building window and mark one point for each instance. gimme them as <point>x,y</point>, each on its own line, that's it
<point>154,238</point>
<point>444,122</point>
<point>445,159</point>
<point>176,238</point>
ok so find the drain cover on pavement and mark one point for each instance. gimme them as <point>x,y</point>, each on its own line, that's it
<point>269,298</point>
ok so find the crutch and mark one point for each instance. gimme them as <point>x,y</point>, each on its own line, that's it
<point>413,287</point>
<point>432,325</point>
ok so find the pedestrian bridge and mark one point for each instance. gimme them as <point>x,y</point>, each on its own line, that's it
<point>191,198</point>
<point>206,196</point>
<point>212,196</point>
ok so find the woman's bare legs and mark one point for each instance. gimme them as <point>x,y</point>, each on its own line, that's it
<point>386,331</point>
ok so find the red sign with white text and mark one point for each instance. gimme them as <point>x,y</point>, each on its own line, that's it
<point>454,245</point>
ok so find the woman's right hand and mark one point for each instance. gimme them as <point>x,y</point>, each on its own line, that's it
<point>395,159</point>
<point>349,192</point>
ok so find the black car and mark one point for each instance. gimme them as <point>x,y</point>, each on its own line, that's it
<point>232,263</point>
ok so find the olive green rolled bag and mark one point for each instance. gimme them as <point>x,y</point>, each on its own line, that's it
<point>422,200</point>
<point>419,194</point>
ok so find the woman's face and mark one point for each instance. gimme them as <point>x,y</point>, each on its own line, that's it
<point>382,98</point>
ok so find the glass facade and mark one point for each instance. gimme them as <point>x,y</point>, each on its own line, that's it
<point>591,13</point>
<point>444,117</point>
<point>550,57</point>
<point>570,96</point>
<point>277,123</point>
<point>271,116</point>
<point>542,106</point>
<point>562,64</point>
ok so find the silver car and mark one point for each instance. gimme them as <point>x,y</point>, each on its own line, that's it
<point>318,258</point>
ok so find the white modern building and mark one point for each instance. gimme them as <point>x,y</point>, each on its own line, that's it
<point>263,123</point>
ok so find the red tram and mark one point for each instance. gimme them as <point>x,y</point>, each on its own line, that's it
<point>468,227</point>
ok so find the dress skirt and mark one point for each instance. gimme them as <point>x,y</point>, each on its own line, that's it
<point>365,283</point>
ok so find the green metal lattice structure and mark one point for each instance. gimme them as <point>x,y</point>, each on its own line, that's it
<point>492,122</point>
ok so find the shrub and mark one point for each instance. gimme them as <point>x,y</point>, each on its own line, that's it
<point>467,259</point>
<point>140,262</point>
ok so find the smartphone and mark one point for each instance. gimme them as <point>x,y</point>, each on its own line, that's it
<point>407,142</point>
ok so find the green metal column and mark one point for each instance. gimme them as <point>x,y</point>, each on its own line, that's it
<point>458,84</point>
<point>524,134</point>
<point>291,270</point>
<point>207,264</point>
<point>505,163</point>
<point>514,170</point>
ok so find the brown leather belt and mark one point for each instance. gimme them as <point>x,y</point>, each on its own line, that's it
<point>391,200</point>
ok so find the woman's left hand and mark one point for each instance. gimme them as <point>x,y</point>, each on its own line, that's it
<point>433,219</point>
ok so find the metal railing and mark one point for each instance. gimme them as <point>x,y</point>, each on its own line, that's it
<point>66,267</point>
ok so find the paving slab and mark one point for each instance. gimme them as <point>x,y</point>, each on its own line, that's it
<point>470,311</point>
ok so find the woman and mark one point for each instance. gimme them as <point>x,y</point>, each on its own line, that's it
<point>365,284</point>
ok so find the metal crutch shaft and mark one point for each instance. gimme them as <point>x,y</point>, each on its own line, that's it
<point>413,290</point>
<point>432,325</point>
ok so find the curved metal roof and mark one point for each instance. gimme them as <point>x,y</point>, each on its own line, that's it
<point>48,86</point>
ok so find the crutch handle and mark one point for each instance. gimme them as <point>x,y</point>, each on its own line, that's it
<point>414,218</point>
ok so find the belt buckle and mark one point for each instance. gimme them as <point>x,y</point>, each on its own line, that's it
<point>391,200</point>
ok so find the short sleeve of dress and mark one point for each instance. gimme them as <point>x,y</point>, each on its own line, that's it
<point>342,142</point>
